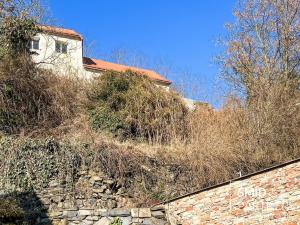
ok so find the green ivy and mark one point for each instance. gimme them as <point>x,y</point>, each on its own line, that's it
<point>32,163</point>
<point>116,221</point>
<point>103,119</point>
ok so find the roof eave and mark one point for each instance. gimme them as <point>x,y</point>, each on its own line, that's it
<point>51,30</point>
<point>165,82</point>
<point>76,37</point>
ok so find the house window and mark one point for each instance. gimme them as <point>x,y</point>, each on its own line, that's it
<point>34,44</point>
<point>61,47</point>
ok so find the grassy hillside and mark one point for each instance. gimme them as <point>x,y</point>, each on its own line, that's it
<point>132,130</point>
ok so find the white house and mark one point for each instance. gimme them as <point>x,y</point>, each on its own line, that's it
<point>61,50</point>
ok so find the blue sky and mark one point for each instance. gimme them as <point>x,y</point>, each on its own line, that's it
<point>174,34</point>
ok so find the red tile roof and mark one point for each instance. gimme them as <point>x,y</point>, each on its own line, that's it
<point>96,64</point>
<point>61,32</point>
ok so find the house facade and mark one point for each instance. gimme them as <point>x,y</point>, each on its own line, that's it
<point>61,50</point>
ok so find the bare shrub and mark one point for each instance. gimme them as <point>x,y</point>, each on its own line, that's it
<point>237,139</point>
<point>68,93</point>
<point>270,129</point>
<point>24,101</point>
<point>210,156</point>
<point>32,98</point>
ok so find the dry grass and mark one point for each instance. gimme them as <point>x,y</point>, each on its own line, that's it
<point>33,100</point>
<point>239,138</point>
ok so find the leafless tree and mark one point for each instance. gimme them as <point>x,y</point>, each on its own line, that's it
<point>263,49</point>
<point>18,20</point>
<point>263,61</point>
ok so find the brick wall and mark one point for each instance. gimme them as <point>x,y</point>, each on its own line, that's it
<point>269,197</point>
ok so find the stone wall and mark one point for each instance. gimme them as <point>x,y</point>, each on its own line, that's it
<point>90,190</point>
<point>268,197</point>
<point>93,199</point>
<point>85,216</point>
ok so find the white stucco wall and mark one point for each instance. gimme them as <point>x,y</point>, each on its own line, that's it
<point>47,57</point>
<point>90,74</point>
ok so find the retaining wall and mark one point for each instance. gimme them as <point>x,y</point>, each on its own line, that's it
<point>124,216</point>
<point>93,199</point>
<point>96,199</point>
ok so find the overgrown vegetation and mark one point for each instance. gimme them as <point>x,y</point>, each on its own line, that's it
<point>18,21</point>
<point>31,98</point>
<point>262,62</point>
<point>32,164</point>
<point>162,150</point>
<point>132,106</point>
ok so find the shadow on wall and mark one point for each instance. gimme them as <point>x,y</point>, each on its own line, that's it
<point>22,209</point>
